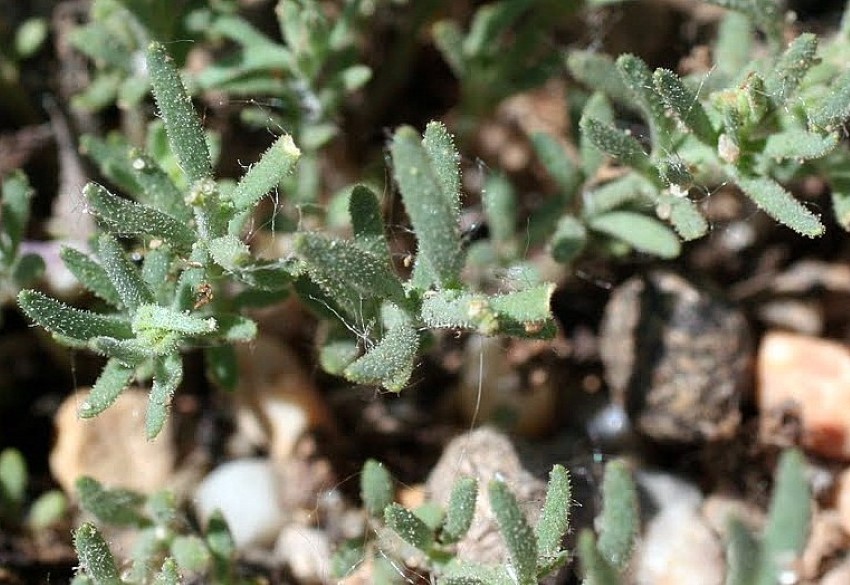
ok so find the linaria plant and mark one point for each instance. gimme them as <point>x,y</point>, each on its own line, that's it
<point>433,531</point>
<point>774,557</point>
<point>17,268</point>
<point>758,123</point>
<point>187,242</point>
<point>168,292</point>
<point>15,511</point>
<point>165,550</point>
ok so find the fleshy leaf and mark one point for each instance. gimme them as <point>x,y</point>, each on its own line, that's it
<point>779,204</point>
<point>639,231</point>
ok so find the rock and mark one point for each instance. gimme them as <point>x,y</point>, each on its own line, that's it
<point>827,540</point>
<point>804,389</point>
<point>675,357</point>
<point>307,553</point>
<point>678,545</point>
<point>484,454</point>
<point>719,509</point>
<point>111,447</point>
<point>245,490</point>
<point>277,400</point>
<point>838,575</point>
<point>842,500</point>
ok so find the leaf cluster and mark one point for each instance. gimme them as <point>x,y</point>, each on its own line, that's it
<point>534,552</point>
<point>355,280</point>
<point>15,510</point>
<point>165,551</point>
<point>169,290</point>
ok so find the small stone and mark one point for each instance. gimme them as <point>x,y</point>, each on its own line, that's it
<point>804,382</point>
<point>827,540</point>
<point>245,490</point>
<point>679,547</point>
<point>278,401</point>
<point>307,553</point>
<point>111,447</point>
<point>842,503</point>
<point>675,357</point>
<point>838,575</point>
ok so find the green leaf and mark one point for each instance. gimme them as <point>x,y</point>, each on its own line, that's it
<point>90,274</point>
<point>114,378</point>
<point>639,231</point>
<point>169,574</point>
<point>123,274</point>
<point>408,526</point>
<point>221,546</point>
<point>765,14</point>
<point>157,188</point>
<point>460,510</point>
<point>130,352</point>
<point>15,199</point>
<point>190,552</point>
<point>167,375</point>
<point>785,77</point>
<point>339,263</point>
<point>181,122</point>
<point>94,555</point>
<point>445,161</point>
<point>685,104</point>
<point>30,36</point>
<point>275,164</point>
<point>683,215</point>
<point>499,202</point>
<point>118,507</point>
<point>839,182</point>
<point>834,108</point>
<point>638,78</point>
<point>60,319</point>
<point>433,215</point>
<point>555,517</point>
<point>221,366</point>
<point>13,479</point>
<point>596,569</point>
<point>799,144</point>
<point>558,164</point>
<point>787,528</point>
<point>568,240</point>
<point>597,108</point>
<point>779,204</point>
<point>390,362</point>
<point>613,194</point>
<point>618,522</point>
<point>525,313</point>
<point>599,72</point>
<point>49,509</point>
<point>367,222</point>
<point>518,536</point>
<point>229,252</point>
<point>733,47</point>
<point>623,147</point>
<point>151,318</point>
<point>448,38</point>
<point>457,309</point>
<point>129,218</point>
<point>376,487</point>
<point>742,554</point>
